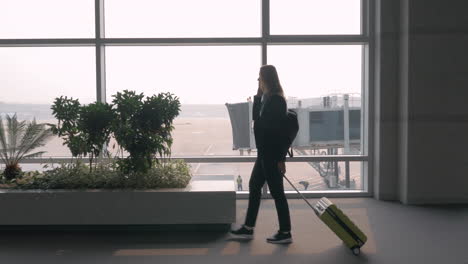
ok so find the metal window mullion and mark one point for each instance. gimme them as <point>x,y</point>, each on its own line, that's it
<point>265,30</point>
<point>314,194</point>
<point>265,36</point>
<point>226,159</point>
<point>368,180</point>
<point>100,73</point>
<point>318,39</point>
<point>365,13</point>
<point>47,42</point>
<point>183,41</point>
<point>264,53</point>
<point>364,110</point>
<point>278,39</point>
<point>100,51</point>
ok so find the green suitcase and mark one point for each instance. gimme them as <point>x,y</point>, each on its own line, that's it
<point>338,222</point>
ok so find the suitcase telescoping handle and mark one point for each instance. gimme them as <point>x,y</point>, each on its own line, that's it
<point>311,206</point>
<point>356,250</point>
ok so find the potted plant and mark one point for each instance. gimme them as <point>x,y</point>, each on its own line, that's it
<point>85,129</point>
<point>130,190</point>
<point>18,140</point>
<point>143,127</point>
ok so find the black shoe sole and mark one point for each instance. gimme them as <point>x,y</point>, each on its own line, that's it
<point>246,237</point>
<point>282,241</point>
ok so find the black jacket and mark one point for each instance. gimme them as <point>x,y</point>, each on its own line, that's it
<point>269,119</point>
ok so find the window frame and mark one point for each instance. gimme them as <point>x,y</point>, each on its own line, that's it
<point>365,39</point>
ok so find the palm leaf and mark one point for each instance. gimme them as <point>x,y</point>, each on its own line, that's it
<point>38,138</point>
<point>22,139</point>
<point>2,157</point>
<point>3,143</point>
<point>32,131</point>
<point>15,130</point>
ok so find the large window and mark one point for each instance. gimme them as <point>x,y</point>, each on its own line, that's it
<point>182,18</point>
<point>36,75</point>
<point>197,74</point>
<point>208,53</point>
<point>204,78</point>
<point>31,77</point>
<point>309,71</point>
<point>316,17</point>
<point>29,19</point>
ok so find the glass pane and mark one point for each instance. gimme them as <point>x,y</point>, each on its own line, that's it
<point>204,78</point>
<point>324,176</point>
<point>317,80</point>
<point>32,77</point>
<point>46,19</point>
<point>224,172</point>
<point>183,18</point>
<point>315,17</point>
<point>306,176</point>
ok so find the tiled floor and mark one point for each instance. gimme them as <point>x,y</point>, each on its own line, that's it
<point>396,234</point>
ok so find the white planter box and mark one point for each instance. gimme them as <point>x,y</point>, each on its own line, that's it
<point>201,202</point>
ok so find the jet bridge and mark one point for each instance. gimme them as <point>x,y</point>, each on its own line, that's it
<point>324,129</point>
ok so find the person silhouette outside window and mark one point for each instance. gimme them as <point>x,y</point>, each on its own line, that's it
<point>305,184</point>
<point>269,115</point>
<point>239,183</point>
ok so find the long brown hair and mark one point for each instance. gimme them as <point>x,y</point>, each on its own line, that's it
<point>269,76</point>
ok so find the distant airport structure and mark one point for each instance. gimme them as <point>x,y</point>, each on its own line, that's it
<point>327,126</point>
<point>332,121</point>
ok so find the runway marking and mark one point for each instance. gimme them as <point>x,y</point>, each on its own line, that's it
<point>206,151</point>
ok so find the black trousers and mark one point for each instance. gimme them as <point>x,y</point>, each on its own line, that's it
<point>266,170</point>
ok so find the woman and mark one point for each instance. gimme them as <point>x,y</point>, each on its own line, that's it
<point>269,115</point>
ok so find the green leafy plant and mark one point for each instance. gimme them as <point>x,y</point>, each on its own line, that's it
<point>84,128</point>
<point>66,111</point>
<point>95,125</point>
<point>172,174</point>
<point>143,127</point>
<point>18,140</point>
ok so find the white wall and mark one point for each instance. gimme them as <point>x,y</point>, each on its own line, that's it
<point>386,80</point>
<point>438,107</point>
<point>432,108</point>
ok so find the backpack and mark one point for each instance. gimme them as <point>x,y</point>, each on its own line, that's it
<point>291,127</point>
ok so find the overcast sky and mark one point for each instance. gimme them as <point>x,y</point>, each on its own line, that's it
<point>217,74</point>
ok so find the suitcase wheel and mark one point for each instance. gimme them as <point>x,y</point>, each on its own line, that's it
<point>356,251</point>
